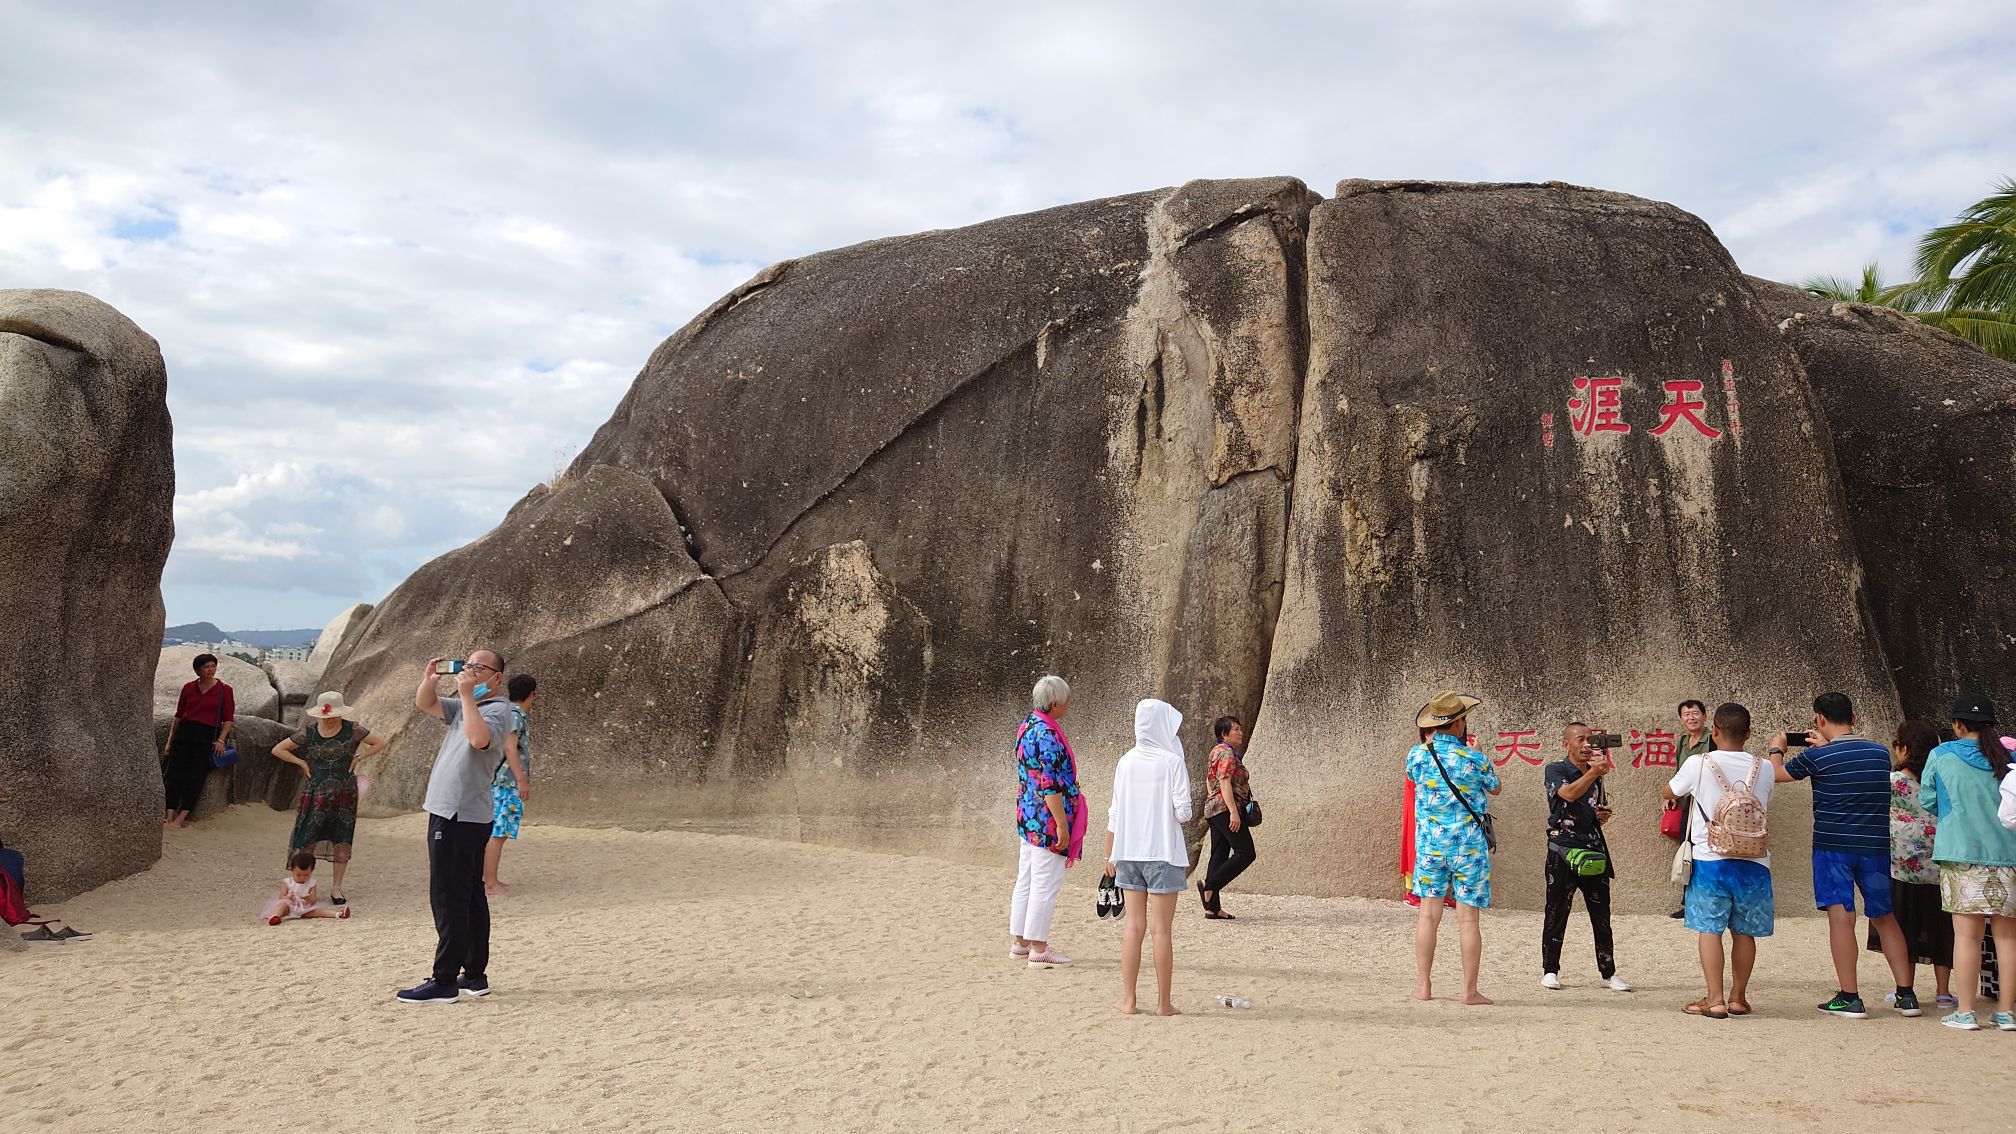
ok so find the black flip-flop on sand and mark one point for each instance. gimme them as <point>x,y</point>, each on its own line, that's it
<point>69,934</point>
<point>339,900</point>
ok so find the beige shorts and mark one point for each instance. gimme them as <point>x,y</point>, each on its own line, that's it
<point>1965,888</point>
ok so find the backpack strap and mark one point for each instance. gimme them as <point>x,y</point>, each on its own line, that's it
<point>1708,758</point>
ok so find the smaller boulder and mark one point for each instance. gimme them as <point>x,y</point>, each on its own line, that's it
<point>341,630</point>
<point>257,777</point>
<point>250,687</point>
<point>296,682</point>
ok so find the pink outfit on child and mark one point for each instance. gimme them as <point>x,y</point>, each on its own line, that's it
<point>295,903</point>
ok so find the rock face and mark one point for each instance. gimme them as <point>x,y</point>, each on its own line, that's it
<point>251,689</point>
<point>1924,428</point>
<point>87,483</point>
<point>295,682</point>
<point>1225,445</point>
<point>341,631</point>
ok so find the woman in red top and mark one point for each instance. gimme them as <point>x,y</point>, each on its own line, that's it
<point>204,715</point>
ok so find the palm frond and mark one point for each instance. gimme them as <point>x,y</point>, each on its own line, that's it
<point>1992,331</point>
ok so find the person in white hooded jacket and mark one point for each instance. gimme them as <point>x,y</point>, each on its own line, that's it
<point>1145,852</point>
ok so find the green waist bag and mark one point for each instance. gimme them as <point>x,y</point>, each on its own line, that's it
<point>1587,862</point>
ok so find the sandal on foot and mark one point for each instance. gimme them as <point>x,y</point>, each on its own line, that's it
<point>1739,1007</point>
<point>1701,1008</point>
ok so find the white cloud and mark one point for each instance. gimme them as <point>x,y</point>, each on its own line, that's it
<point>402,261</point>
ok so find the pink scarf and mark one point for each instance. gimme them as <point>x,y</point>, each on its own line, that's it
<point>1078,812</point>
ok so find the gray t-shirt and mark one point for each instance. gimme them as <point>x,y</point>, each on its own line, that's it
<point>459,786</point>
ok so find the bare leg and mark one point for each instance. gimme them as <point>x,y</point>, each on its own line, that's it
<point>336,870</point>
<point>1944,975</point>
<point>1133,928</point>
<point>1742,959</point>
<point>1709,946</point>
<point>322,913</point>
<point>1967,931</point>
<point>2004,929</point>
<point>1841,943</point>
<point>1427,922</point>
<point>1470,935</point>
<point>492,856</point>
<point>179,819</point>
<point>1895,950</point>
<point>1162,916</point>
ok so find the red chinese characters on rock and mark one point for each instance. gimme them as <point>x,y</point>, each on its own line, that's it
<point>1599,408</point>
<point>1681,407</point>
<point>1523,744</point>
<point>1655,749</point>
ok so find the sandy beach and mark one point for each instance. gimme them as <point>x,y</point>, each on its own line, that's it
<point>670,981</point>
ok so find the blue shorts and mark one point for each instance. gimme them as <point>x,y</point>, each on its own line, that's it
<point>1838,874</point>
<point>1461,871</point>
<point>1154,877</point>
<point>1732,894</point>
<point>508,808</point>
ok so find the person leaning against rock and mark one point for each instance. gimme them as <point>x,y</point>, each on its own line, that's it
<point>459,808</point>
<point>204,716</point>
<point>328,748</point>
<point>1578,857</point>
<point>1452,855</point>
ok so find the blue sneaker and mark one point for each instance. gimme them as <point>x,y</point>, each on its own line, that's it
<point>2005,1021</point>
<point>429,991</point>
<point>1961,1020</point>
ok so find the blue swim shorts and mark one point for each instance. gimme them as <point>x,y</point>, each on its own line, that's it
<point>509,809</point>
<point>1838,874</point>
<point>1154,877</point>
<point>1731,894</point>
<point>1462,872</point>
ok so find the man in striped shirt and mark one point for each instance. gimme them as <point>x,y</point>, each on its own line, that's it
<point>1851,844</point>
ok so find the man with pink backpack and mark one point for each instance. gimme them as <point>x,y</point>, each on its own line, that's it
<point>1731,885</point>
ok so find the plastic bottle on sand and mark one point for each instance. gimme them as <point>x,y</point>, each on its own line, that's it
<point>1231,1001</point>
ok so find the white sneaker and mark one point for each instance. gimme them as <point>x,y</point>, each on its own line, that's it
<point>1048,959</point>
<point>1549,980</point>
<point>1616,983</point>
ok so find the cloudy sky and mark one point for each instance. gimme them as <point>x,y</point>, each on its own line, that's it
<point>403,259</point>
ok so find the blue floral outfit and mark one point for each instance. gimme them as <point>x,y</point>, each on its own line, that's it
<point>1450,855</point>
<point>1043,768</point>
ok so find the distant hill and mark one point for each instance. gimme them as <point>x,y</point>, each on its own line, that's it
<point>264,639</point>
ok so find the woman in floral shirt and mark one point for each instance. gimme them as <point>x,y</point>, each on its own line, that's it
<point>1226,795</point>
<point>1914,877</point>
<point>1049,821</point>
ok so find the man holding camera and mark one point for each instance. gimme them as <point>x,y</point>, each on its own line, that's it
<point>1851,844</point>
<point>459,808</point>
<point>1578,858</point>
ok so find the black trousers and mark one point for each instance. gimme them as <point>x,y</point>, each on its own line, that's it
<point>455,889</point>
<point>1231,852</point>
<point>1562,882</point>
<point>188,764</point>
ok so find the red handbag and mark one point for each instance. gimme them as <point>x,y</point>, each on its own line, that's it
<point>1670,820</point>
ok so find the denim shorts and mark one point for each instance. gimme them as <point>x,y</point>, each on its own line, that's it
<point>1838,874</point>
<point>1154,877</point>
<point>1732,894</point>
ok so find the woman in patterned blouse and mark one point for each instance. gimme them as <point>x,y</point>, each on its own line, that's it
<point>1225,797</point>
<point>1914,877</point>
<point>1049,823</point>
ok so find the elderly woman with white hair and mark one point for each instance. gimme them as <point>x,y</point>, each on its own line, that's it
<point>1050,822</point>
<point>1145,852</point>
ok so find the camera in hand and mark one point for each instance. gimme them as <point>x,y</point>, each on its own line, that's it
<point>1797,740</point>
<point>1605,740</point>
<point>449,667</point>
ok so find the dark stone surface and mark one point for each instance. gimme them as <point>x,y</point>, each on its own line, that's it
<point>1924,431</point>
<point>87,482</point>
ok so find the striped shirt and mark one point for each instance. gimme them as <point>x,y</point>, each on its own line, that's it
<point>1851,794</point>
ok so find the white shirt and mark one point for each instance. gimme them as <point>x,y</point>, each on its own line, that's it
<point>1696,780</point>
<point>1151,791</point>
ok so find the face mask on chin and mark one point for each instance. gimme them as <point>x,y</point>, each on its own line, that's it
<point>481,691</point>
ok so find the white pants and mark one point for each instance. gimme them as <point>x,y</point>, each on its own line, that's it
<point>1038,877</point>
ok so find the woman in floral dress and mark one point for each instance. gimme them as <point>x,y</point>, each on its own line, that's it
<point>329,748</point>
<point>1914,877</point>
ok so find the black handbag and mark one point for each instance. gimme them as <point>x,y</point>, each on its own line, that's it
<point>1483,821</point>
<point>1250,814</point>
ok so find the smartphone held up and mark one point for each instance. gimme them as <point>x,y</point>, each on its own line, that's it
<point>448,667</point>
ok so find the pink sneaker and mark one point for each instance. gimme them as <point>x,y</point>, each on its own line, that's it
<point>1048,959</point>
<point>1018,950</point>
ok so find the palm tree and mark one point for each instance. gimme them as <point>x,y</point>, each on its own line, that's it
<point>1870,289</point>
<point>1967,274</point>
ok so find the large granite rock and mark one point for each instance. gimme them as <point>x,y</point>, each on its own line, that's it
<point>87,482</point>
<point>295,682</point>
<point>342,630</point>
<point>251,689</point>
<point>1537,442</point>
<point>1924,430</point>
<point>1454,528</point>
<point>1051,442</point>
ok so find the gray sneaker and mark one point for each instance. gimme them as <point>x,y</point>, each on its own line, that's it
<point>41,936</point>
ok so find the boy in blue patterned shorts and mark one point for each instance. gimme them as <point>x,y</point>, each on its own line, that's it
<point>1726,894</point>
<point>513,781</point>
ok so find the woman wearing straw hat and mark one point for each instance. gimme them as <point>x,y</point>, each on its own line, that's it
<point>1452,851</point>
<point>329,749</point>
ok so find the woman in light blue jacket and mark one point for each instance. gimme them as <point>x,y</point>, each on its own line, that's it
<point>1975,853</point>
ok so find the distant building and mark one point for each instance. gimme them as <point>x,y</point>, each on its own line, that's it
<point>289,653</point>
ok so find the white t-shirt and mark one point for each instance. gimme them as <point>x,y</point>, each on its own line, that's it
<point>1696,780</point>
<point>1151,801</point>
<point>2006,811</point>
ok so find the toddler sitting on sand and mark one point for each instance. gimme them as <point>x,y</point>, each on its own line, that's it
<point>297,894</point>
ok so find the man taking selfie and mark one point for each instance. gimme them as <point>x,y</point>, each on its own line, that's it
<point>1578,858</point>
